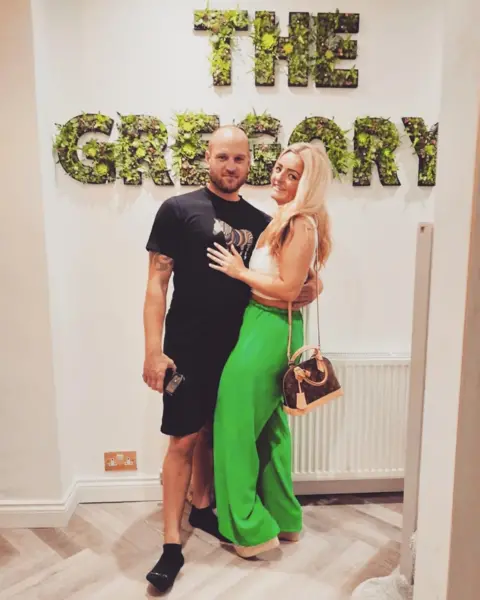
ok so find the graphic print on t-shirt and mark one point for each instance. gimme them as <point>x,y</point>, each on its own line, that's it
<point>242,239</point>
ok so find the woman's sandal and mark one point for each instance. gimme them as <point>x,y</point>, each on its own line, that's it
<point>289,536</point>
<point>251,551</point>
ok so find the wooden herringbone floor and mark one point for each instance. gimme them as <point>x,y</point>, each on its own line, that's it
<point>106,550</point>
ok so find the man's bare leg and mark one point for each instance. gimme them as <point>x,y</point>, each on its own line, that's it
<point>202,515</point>
<point>177,470</point>
<point>202,472</point>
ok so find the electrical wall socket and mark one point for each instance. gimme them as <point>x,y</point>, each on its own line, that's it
<point>120,461</point>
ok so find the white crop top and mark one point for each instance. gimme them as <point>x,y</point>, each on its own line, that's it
<point>263,262</point>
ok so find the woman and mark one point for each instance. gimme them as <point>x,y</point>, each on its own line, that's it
<point>252,446</point>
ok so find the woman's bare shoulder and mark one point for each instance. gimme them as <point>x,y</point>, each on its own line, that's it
<point>302,224</point>
<point>301,234</point>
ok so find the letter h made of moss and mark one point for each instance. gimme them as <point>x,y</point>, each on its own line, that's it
<point>271,47</point>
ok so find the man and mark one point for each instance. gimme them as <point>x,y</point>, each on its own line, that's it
<point>201,328</point>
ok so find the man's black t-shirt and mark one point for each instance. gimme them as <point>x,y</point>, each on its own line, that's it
<point>184,227</point>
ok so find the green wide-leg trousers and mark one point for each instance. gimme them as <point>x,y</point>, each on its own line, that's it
<point>252,442</point>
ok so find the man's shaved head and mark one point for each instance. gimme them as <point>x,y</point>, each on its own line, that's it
<point>229,134</point>
<point>228,158</point>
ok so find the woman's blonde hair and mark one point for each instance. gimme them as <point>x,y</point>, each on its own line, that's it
<point>309,200</point>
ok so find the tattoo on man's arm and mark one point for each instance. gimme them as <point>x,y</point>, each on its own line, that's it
<point>162,263</point>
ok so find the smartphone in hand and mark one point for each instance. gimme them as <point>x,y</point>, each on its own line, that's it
<point>172,381</point>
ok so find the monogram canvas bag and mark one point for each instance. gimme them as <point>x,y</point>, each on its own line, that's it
<point>310,383</point>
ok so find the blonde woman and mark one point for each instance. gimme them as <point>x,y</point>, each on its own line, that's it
<point>256,504</point>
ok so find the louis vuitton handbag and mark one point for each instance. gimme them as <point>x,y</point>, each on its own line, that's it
<point>312,382</point>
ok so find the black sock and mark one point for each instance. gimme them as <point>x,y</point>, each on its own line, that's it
<point>163,574</point>
<point>206,520</point>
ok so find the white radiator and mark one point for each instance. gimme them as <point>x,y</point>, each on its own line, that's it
<point>359,437</point>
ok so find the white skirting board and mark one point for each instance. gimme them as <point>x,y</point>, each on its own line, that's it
<point>335,487</point>
<point>38,513</point>
<point>47,513</point>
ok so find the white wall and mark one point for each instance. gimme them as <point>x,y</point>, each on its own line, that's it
<point>55,29</point>
<point>29,465</point>
<point>144,57</point>
<point>448,549</point>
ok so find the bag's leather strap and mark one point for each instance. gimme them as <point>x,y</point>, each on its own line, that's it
<point>289,348</point>
<point>303,349</point>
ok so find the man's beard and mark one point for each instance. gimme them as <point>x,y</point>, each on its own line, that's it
<point>225,188</point>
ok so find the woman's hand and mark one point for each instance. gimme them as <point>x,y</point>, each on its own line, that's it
<point>228,262</point>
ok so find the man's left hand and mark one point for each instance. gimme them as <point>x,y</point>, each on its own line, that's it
<point>308,292</point>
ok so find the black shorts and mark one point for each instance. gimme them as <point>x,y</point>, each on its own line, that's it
<point>200,358</point>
